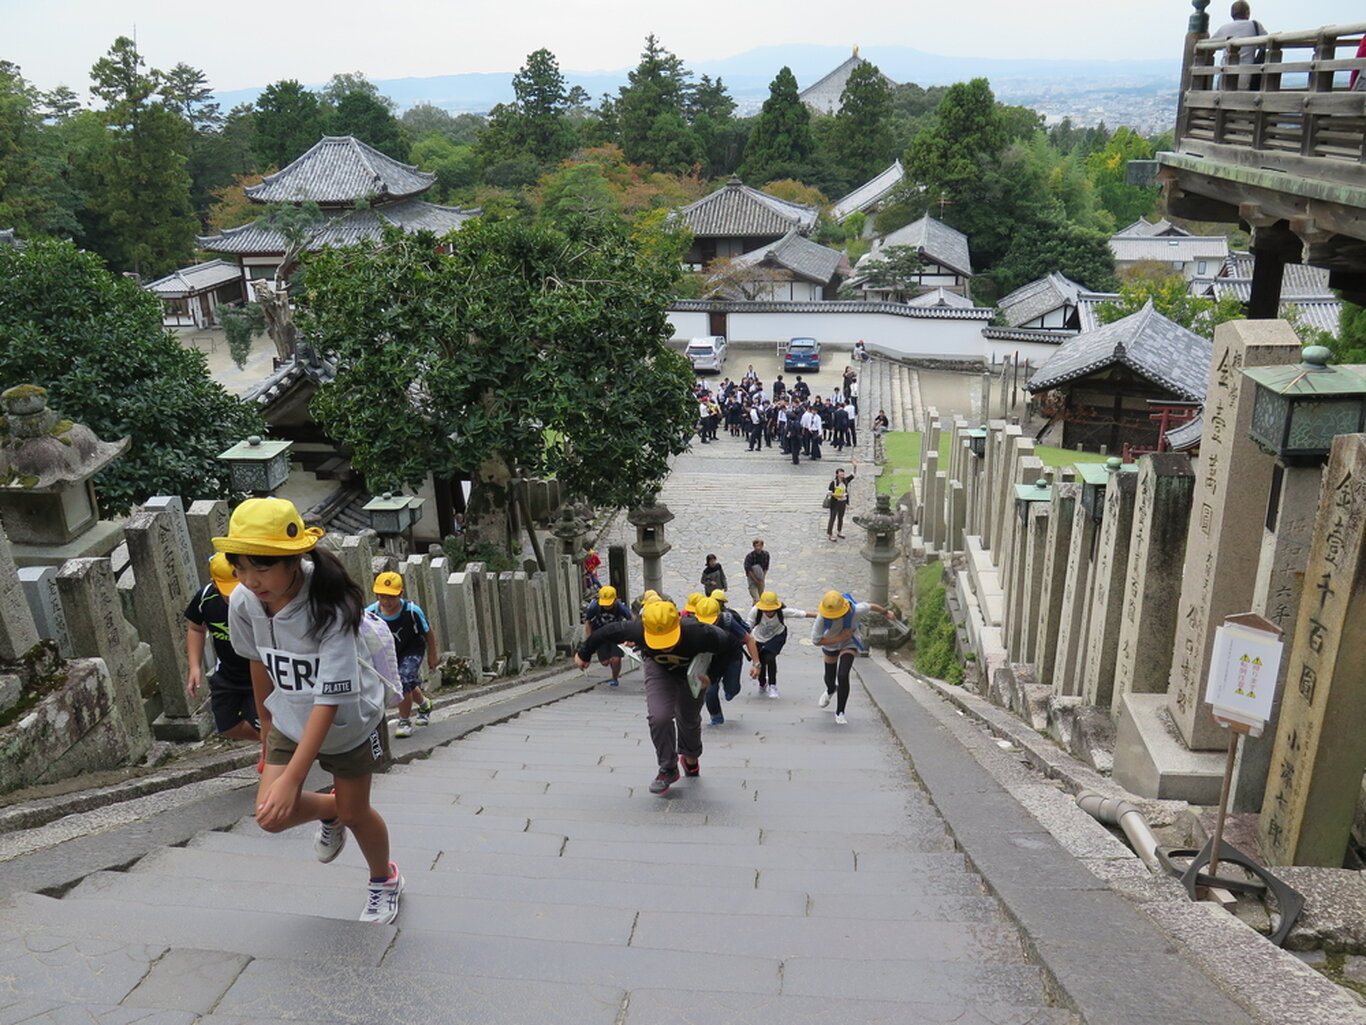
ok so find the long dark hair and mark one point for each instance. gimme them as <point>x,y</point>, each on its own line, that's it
<point>332,594</point>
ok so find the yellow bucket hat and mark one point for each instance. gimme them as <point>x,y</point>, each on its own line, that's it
<point>768,601</point>
<point>267,526</point>
<point>834,605</point>
<point>224,576</point>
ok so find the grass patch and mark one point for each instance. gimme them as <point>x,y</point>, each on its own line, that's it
<point>935,653</point>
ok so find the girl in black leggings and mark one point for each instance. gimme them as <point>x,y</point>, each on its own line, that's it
<point>837,632</point>
<point>767,624</point>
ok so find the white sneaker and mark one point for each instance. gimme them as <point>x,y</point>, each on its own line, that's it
<point>839,718</point>
<point>824,702</point>
<point>404,728</point>
<point>773,691</point>
<point>381,901</point>
<point>328,841</point>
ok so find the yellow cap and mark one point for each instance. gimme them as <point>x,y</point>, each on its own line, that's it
<point>267,526</point>
<point>224,576</point>
<point>607,595</point>
<point>660,620</point>
<point>708,609</point>
<point>834,605</point>
<point>649,596</point>
<point>388,583</point>
<point>690,604</point>
<point>768,601</point>
<point>719,595</point>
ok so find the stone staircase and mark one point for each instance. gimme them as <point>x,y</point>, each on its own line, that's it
<point>891,386</point>
<point>804,877</point>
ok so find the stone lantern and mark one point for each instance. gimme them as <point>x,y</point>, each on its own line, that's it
<point>47,498</point>
<point>392,516</point>
<point>1094,479</point>
<point>256,466</point>
<point>1025,494</point>
<point>977,439</point>
<point>1298,409</point>
<point>881,548</point>
<point>649,520</point>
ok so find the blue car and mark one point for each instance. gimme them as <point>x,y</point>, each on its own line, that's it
<point>802,354</point>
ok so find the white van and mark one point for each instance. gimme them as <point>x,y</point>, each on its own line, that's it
<point>707,353</point>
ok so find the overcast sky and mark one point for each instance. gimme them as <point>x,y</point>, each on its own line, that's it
<point>243,45</point>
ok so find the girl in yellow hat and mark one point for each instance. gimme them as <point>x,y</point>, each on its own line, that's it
<point>296,617</point>
<point>836,631</point>
<point>767,622</point>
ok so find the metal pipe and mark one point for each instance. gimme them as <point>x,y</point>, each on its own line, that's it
<point>1115,811</point>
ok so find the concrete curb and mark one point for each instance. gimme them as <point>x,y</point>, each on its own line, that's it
<point>1215,967</point>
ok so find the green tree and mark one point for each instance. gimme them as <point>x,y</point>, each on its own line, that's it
<point>95,341</point>
<point>424,118</point>
<point>1350,344</point>
<point>781,137</point>
<point>864,143</point>
<point>342,85</point>
<point>28,174</point>
<point>506,350</point>
<point>456,166</point>
<point>368,118</point>
<point>536,124</point>
<point>60,103</point>
<point>650,110</point>
<point>897,271</point>
<point>145,193</point>
<point>1107,167</point>
<point>578,197</point>
<point>289,121</point>
<point>1075,252</point>
<point>1171,297</point>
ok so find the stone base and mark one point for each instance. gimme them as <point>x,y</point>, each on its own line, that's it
<point>95,543</point>
<point>1151,760</point>
<point>986,582</point>
<point>183,728</point>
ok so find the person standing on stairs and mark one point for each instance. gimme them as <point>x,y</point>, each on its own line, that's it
<point>837,496</point>
<point>296,618</point>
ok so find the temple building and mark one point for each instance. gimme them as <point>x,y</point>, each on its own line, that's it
<point>359,191</point>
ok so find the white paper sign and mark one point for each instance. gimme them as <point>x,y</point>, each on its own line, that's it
<point>1242,674</point>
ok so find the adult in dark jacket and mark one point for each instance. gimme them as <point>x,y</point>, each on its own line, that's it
<point>713,576</point>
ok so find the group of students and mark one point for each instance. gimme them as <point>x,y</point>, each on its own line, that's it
<point>296,672</point>
<point>798,421</point>
<point>695,655</point>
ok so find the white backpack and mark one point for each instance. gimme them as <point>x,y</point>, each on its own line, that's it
<point>379,645</point>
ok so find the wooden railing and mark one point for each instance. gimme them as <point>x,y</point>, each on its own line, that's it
<point>1293,111</point>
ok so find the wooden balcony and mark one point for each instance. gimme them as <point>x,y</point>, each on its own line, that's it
<point>1277,143</point>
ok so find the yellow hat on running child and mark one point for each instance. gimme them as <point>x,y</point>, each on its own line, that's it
<point>267,526</point>
<point>690,603</point>
<point>660,620</point>
<point>834,605</point>
<point>389,583</point>
<point>224,576</point>
<point>708,610</point>
<point>768,601</point>
<point>607,595</point>
<point>719,595</point>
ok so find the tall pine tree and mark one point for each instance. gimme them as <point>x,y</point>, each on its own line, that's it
<point>145,187</point>
<point>864,144</point>
<point>651,110</point>
<point>781,138</point>
<point>289,120</point>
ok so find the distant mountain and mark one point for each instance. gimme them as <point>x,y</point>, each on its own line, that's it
<point>747,76</point>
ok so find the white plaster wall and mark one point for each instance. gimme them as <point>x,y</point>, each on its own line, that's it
<point>920,338</point>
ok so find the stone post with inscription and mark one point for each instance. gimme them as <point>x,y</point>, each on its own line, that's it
<point>40,588</point>
<point>1107,593</point>
<point>163,566</point>
<point>205,520</point>
<point>97,631</point>
<point>1157,548</point>
<point>1320,751</point>
<point>1053,587</point>
<point>18,632</point>
<point>1225,534</point>
<point>463,639</point>
<point>1069,651</point>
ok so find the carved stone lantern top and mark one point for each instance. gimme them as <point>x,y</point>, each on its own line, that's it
<point>41,452</point>
<point>649,513</point>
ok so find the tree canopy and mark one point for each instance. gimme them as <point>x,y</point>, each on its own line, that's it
<point>781,137</point>
<point>508,347</point>
<point>289,119</point>
<point>1171,297</point>
<point>95,341</point>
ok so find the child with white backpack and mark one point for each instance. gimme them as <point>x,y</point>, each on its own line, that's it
<point>297,618</point>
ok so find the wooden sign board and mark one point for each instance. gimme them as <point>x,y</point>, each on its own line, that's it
<point>1243,667</point>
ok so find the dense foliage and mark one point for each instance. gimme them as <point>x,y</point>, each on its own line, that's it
<point>95,341</point>
<point>507,348</point>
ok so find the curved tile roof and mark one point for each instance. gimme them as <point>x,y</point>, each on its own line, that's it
<point>830,306</point>
<point>799,255</point>
<point>870,193</point>
<point>1039,297</point>
<point>338,171</point>
<point>412,215</point>
<point>1146,342</point>
<point>199,278</point>
<point>943,245</point>
<point>735,209</point>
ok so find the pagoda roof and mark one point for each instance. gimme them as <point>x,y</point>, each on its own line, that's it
<point>339,170</point>
<point>347,228</point>
<point>735,209</point>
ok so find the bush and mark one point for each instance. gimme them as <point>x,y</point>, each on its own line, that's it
<point>935,653</point>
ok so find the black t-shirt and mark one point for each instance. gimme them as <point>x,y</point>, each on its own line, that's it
<point>209,609</point>
<point>695,638</point>
<point>597,616</point>
<point>409,627</point>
